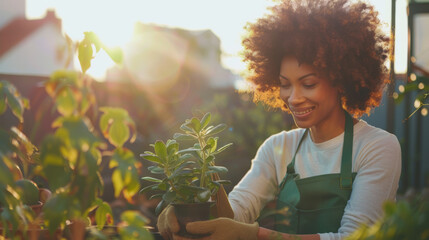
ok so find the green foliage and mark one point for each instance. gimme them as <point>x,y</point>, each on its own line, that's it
<point>70,158</point>
<point>9,96</point>
<point>125,176</point>
<point>133,227</point>
<point>86,53</point>
<point>402,220</point>
<point>115,123</point>
<point>71,92</point>
<point>420,86</point>
<point>103,213</point>
<point>14,146</point>
<point>188,173</point>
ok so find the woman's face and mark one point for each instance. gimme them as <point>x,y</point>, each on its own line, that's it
<point>312,100</point>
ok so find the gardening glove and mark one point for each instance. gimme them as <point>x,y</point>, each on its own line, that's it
<point>222,208</point>
<point>167,223</point>
<point>224,229</point>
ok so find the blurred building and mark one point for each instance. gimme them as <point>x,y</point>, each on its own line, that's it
<point>34,47</point>
<point>159,55</point>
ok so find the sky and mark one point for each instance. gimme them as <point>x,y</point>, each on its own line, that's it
<point>113,21</point>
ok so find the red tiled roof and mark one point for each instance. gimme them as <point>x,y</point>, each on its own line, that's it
<point>20,28</point>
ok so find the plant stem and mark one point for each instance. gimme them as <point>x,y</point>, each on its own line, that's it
<point>203,169</point>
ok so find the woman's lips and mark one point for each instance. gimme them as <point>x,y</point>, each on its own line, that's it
<point>302,112</point>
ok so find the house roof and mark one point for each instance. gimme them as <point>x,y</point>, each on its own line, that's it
<point>20,28</point>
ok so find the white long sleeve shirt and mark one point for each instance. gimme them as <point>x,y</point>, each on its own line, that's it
<point>376,159</point>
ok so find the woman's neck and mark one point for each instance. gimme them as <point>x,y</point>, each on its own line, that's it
<point>329,128</point>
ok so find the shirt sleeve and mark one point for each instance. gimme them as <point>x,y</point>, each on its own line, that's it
<point>257,187</point>
<point>379,169</point>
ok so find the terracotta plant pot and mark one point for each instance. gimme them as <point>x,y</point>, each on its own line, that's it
<point>191,212</point>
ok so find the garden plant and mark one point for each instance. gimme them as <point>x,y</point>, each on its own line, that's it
<point>190,177</point>
<point>69,160</point>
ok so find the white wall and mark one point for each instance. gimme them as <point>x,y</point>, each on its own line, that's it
<point>10,9</point>
<point>38,54</point>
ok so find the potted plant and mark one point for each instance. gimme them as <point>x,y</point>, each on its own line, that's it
<point>190,177</point>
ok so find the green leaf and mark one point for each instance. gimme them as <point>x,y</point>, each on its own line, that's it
<point>218,169</point>
<point>172,147</point>
<point>159,195</point>
<point>92,38</point>
<point>155,170</point>
<point>26,148</point>
<point>66,102</point>
<point>189,150</point>
<point>6,176</point>
<point>6,146</point>
<point>120,121</point>
<point>101,214</point>
<point>163,186</point>
<point>77,131</point>
<point>211,144</point>
<point>185,127</point>
<point>219,128</point>
<point>56,167</point>
<point>169,196</point>
<point>115,54</point>
<point>85,53</point>
<point>222,148</point>
<point>133,226</point>
<point>56,210</point>
<point>205,120</point>
<point>150,187</point>
<point>2,101</point>
<point>161,150</point>
<point>195,124</point>
<point>128,183</point>
<point>152,158</point>
<point>161,205</point>
<point>118,134</point>
<point>183,137</point>
<point>185,157</point>
<point>118,182</point>
<point>180,170</point>
<point>151,179</point>
<point>15,105</point>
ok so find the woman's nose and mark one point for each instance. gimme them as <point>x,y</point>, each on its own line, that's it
<point>295,97</point>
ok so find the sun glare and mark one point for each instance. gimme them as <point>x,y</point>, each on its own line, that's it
<point>113,22</point>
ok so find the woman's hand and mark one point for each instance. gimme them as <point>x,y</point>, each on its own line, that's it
<point>167,223</point>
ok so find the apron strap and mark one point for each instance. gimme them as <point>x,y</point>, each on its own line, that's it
<point>290,166</point>
<point>346,159</point>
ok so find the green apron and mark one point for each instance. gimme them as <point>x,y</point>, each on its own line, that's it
<point>316,204</point>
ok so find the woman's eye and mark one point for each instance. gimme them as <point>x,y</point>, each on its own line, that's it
<point>309,85</point>
<point>285,86</point>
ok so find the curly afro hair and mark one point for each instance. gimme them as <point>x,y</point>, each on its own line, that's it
<point>341,39</point>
